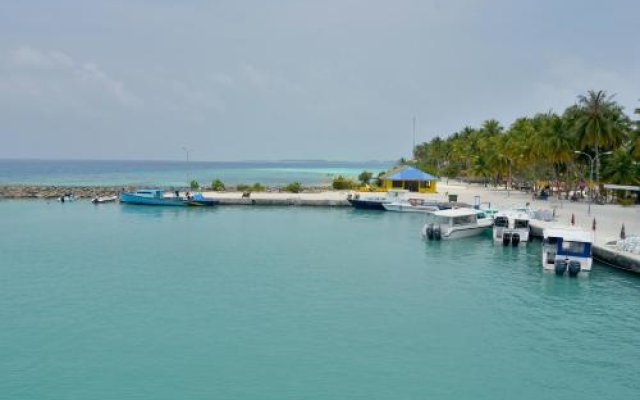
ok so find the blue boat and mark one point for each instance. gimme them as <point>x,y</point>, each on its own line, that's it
<point>156,197</point>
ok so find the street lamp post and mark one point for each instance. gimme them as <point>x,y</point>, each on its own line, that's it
<point>592,161</point>
<point>186,150</point>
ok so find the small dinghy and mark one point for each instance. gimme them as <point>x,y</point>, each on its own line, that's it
<point>104,199</point>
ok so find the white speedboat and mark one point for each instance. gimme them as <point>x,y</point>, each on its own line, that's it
<point>416,205</point>
<point>511,227</point>
<point>104,199</point>
<point>567,250</point>
<point>455,223</point>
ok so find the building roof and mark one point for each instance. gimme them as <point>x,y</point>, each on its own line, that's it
<point>407,173</point>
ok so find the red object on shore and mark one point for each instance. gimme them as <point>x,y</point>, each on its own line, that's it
<point>573,219</point>
<point>594,224</point>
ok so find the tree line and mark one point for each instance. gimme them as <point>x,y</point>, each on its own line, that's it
<point>591,138</point>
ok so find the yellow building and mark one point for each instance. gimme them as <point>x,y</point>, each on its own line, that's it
<point>409,178</point>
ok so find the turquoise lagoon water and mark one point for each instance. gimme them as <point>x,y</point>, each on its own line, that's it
<point>126,302</point>
<point>175,173</point>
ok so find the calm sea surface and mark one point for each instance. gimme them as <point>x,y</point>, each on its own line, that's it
<point>126,302</point>
<point>173,173</point>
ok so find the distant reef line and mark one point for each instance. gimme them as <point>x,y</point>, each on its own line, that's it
<point>17,191</point>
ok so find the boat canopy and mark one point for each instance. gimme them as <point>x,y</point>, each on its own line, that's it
<point>568,234</point>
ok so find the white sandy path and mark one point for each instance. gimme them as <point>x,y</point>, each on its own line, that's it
<point>609,218</point>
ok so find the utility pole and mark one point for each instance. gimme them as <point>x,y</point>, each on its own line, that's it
<point>186,150</point>
<point>413,149</point>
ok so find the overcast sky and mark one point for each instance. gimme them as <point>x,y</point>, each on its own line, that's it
<point>268,80</point>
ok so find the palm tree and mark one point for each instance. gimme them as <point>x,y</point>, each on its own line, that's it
<point>599,122</point>
<point>621,169</point>
<point>636,140</point>
<point>554,143</point>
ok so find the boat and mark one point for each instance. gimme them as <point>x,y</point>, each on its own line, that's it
<point>567,250</point>
<point>198,200</point>
<point>511,227</point>
<point>157,197</point>
<point>376,202</point>
<point>67,197</point>
<point>456,223</point>
<point>104,199</point>
<point>416,205</point>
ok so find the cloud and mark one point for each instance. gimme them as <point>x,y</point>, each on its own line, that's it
<point>28,57</point>
<point>567,77</point>
<point>266,80</point>
<point>44,72</point>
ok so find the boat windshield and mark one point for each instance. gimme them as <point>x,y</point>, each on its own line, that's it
<point>575,248</point>
<point>501,222</point>
<point>464,220</point>
<point>521,224</point>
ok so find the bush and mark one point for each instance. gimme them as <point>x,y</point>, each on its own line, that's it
<point>256,187</point>
<point>217,185</point>
<point>342,183</point>
<point>294,187</point>
<point>365,177</point>
<point>194,185</point>
<point>626,202</point>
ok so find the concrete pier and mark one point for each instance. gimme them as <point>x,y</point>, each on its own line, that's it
<point>603,251</point>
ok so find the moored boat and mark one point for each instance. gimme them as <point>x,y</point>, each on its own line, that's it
<point>455,223</point>
<point>376,202</point>
<point>104,199</point>
<point>567,250</point>
<point>416,205</point>
<point>157,197</point>
<point>511,227</point>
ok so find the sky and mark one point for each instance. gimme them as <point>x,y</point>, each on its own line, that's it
<point>285,79</point>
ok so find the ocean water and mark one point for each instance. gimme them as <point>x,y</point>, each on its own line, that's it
<point>126,302</point>
<point>175,173</point>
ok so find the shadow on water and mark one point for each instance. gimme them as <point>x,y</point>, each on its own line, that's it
<point>163,211</point>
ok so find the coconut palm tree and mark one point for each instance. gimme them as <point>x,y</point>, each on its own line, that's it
<point>599,122</point>
<point>621,169</point>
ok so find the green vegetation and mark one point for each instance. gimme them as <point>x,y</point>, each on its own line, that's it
<point>547,148</point>
<point>294,187</point>
<point>342,183</point>
<point>194,185</point>
<point>256,187</point>
<point>365,177</point>
<point>217,185</point>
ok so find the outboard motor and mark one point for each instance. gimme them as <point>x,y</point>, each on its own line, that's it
<point>437,232</point>
<point>430,231</point>
<point>506,238</point>
<point>574,267</point>
<point>515,239</point>
<point>560,267</point>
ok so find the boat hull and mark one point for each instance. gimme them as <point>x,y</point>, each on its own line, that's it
<point>410,208</point>
<point>367,204</point>
<point>203,203</point>
<point>130,198</point>
<point>498,234</point>
<point>459,233</point>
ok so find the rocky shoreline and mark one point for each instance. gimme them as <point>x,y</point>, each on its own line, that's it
<point>53,192</point>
